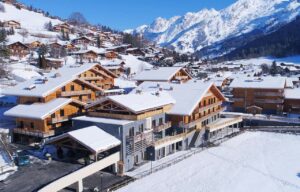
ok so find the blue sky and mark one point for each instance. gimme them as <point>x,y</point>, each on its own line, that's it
<point>125,14</point>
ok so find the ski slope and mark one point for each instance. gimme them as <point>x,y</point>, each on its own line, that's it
<point>253,161</point>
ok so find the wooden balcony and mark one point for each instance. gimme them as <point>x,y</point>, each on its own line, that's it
<point>204,108</point>
<point>58,120</point>
<point>35,133</point>
<point>270,101</point>
<point>198,122</point>
<point>162,127</point>
<point>75,93</point>
<point>270,94</point>
<point>91,78</point>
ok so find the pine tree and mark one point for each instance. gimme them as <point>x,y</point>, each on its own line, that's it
<point>98,41</point>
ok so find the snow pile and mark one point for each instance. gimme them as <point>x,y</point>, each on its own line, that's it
<point>254,161</point>
<point>193,31</point>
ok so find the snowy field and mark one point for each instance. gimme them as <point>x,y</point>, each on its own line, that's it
<point>294,60</point>
<point>253,161</point>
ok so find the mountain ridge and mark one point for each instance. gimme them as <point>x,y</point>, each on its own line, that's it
<point>194,32</point>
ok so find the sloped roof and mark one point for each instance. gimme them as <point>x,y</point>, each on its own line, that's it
<point>94,138</point>
<point>138,102</point>
<point>187,96</point>
<point>38,110</point>
<point>159,74</point>
<point>65,75</point>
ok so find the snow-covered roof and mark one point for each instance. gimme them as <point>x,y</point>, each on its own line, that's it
<point>292,93</point>
<point>158,74</point>
<point>56,79</point>
<point>94,138</point>
<point>103,120</point>
<point>37,110</point>
<point>138,102</point>
<point>187,95</point>
<point>259,83</point>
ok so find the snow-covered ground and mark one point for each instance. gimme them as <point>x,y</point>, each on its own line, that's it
<point>136,65</point>
<point>269,60</point>
<point>253,161</point>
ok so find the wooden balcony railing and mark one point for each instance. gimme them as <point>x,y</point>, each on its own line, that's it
<point>204,108</point>
<point>269,94</point>
<point>36,133</point>
<point>270,101</point>
<point>162,127</point>
<point>59,119</point>
<point>75,93</point>
<point>198,121</point>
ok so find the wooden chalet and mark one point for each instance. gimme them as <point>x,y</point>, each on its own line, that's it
<point>201,107</point>
<point>135,51</point>
<point>54,62</point>
<point>86,56</point>
<point>265,93</point>
<point>109,55</point>
<point>18,49</point>
<point>65,27</point>
<point>131,106</point>
<point>292,102</point>
<point>34,44</point>
<point>44,119</point>
<point>164,74</point>
<point>83,83</point>
<point>83,40</point>
<point>12,24</point>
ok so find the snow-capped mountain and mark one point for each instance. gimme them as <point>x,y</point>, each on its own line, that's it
<point>206,28</point>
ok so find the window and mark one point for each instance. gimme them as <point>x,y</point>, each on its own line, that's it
<point>153,123</point>
<point>204,102</point>
<point>214,99</point>
<point>53,116</point>
<point>82,87</point>
<point>62,112</point>
<point>160,121</point>
<point>131,132</point>
<point>141,128</point>
<point>72,88</point>
<point>31,125</point>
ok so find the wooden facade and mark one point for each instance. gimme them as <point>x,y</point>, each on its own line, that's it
<point>85,88</point>
<point>110,109</point>
<point>62,27</point>
<point>270,100</point>
<point>12,24</point>
<point>292,106</point>
<point>86,57</point>
<point>18,49</point>
<point>27,128</point>
<point>209,107</point>
<point>181,76</point>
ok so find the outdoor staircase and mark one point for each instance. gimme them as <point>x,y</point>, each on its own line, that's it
<point>194,139</point>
